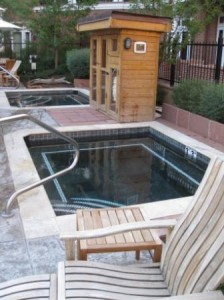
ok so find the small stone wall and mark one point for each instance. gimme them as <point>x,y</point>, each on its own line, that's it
<point>204,127</point>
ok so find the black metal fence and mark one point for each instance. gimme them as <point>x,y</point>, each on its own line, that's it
<point>203,61</point>
<point>44,55</point>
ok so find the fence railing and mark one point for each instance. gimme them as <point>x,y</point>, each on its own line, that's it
<point>203,61</point>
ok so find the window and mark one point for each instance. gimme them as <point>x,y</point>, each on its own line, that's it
<point>104,54</point>
<point>94,53</point>
<point>114,45</point>
<point>221,20</point>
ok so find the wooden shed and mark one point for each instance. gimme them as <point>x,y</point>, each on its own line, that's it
<point>124,63</point>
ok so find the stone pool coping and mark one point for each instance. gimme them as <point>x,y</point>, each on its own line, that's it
<point>36,212</point>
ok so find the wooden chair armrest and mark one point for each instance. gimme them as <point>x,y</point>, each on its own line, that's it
<point>217,295</point>
<point>70,239</point>
<point>106,231</point>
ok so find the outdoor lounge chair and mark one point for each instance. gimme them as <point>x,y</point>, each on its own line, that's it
<point>192,264</point>
<point>192,259</point>
<point>7,78</point>
<point>30,287</point>
<point>9,64</point>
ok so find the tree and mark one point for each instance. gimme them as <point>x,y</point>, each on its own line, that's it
<point>194,15</point>
<point>18,10</point>
<point>55,24</point>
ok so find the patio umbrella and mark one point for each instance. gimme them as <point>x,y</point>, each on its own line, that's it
<point>6,26</point>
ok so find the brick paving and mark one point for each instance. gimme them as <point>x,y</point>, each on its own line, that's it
<point>79,116</point>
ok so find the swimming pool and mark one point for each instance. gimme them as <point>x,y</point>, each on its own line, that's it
<point>124,169</point>
<point>47,98</point>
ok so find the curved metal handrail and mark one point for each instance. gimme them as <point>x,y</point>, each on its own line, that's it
<point>7,212</point>
<point>14,77</point>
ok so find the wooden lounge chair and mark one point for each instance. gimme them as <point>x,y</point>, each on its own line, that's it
<point>192,265</point>
<point>30,287</point>
<point>9,64</point>
<point>7,78</point>
<point>44,287</point>
<point>192,260</point>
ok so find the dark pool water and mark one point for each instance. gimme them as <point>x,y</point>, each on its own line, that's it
<point>116,173</point>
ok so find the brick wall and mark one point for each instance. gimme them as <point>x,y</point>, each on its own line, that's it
<point>204,127</point>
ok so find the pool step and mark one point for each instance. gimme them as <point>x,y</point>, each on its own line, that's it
<point>80,203</point>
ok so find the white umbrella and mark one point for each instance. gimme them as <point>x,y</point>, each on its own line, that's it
<point>6,26</point>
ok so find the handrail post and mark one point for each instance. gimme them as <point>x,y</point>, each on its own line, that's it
<point>7,213</point>
<point>219,57</point>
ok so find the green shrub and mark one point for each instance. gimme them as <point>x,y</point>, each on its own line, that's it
<point>188,95</point>
<point>160,95</point>
<point>201,97</point>
<point>78,63</point>
<point>212,102</point>
<point>221,287</point>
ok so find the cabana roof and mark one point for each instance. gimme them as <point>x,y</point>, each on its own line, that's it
<point>124,20</point>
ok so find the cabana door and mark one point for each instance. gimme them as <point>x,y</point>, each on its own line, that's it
<point>104,72</point>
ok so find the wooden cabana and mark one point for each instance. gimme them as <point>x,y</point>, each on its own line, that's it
<point>124,63</point>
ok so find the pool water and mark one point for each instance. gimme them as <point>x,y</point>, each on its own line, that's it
<point>46,98</point>
<point>114,173</point>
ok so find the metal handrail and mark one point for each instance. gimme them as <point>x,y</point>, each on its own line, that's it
<point>10,74</point>
<point>7,213</point>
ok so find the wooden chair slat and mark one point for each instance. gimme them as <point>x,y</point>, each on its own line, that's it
<point>119,238</point>
<point>76,281</point>
<point>106,222</point>
<point>192,232</point>
<point>126,276</point>
<point>29,287</point>
<point>92,285</point>
<point>88,223</point>
<point>201,193</point>
<point>146,234</point>
<point>97,224</point>
<point>190,245</point>
<point>26,279</point>
<point>212,295</point>
<point>152,268</point>
<point>137,235</point>
<point>122,219</point>
<point>196,262</point>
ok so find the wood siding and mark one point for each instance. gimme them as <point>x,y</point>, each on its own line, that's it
<point>138,78</point>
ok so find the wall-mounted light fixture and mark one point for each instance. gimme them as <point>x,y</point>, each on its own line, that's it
<point>127,43</point>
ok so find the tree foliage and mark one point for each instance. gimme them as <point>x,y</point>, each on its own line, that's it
<point>193,15</point>
<point>55,24</point>
<point>186,10</point>
<point>18,10</point>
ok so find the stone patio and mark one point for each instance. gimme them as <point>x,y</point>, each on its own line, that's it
<point>19,255</point>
